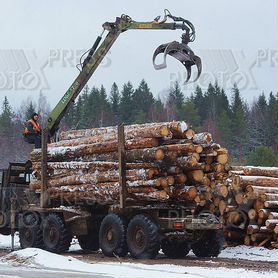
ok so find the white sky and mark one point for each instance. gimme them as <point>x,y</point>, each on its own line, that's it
<point>236,37</point>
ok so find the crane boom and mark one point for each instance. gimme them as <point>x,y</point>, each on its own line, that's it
<point>96,54</point>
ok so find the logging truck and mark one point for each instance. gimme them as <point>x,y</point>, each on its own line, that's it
<point>140,228</point>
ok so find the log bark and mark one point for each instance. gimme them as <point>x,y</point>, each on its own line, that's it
<point>244,181</point>
<point>182,192</point>
<point>260,171</point>
<point>271,204</point>
<point>271,223</point>
<point>273,215</point>
<point>131,131</point>
<point>97,148</point>
<point>204,139</point>
<point>264,213</point>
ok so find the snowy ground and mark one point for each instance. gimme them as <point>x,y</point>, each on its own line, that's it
<point>39,259</point>
<point>44,263</point>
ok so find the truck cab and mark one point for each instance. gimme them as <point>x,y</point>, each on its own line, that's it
<point>14,183</point>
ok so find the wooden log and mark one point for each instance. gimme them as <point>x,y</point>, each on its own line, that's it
<point>258,190</point>
<point>180,179</point>
<point>159,195</point>
<point>252,229</point>
<point>186,162</point>
<point>198,148</point>
<point>269,197</point>
<point>275,230</point>
<point>260,171</point>
<point>223,190</point>
<point>252,214</point>
<point>222,156</point>
<point>271,204</point>
<point>259,204</point>
<point>264,213</point>
<point>185,192</point>
<point>131,131</point>
<point>247,240</point>
<point>271,223</point>
<point>203,138</point>
<point>244,181</point>
<point>174,170</point>
<point>97,148</point>
<point>93,180</point>
<point>273,215</point>
<point>217,167</point>
<point>257,237</point>
<point>195,176</point>
<point>239,198</point>
<point>222,207</point>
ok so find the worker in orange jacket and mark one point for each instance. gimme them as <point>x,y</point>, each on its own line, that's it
<point>32,131</point>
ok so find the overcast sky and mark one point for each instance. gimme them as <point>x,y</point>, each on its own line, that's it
<point>41,42</point>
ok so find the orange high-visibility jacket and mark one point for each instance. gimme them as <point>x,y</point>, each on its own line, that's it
<point>32,127</point>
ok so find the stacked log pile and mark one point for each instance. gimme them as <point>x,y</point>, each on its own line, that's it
<point>254,221</point>
<point>164,161</point>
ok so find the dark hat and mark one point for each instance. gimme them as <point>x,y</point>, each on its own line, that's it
<point>34,114</point>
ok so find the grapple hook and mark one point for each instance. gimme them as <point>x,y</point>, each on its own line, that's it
<point>182,52</point>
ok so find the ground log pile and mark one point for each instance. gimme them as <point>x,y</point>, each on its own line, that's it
<point>253,218</point>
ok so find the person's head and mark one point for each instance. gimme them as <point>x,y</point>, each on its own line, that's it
<point>35,116</point>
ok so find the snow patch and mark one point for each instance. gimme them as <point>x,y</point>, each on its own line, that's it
<point>37,258</point>
<point>250,253</point>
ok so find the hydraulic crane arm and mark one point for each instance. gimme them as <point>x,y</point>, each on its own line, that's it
<point>180,51</point>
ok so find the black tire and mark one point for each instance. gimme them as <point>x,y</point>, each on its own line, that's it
<point>56,236</point>
<point>210,244</point>
<point>143,237</point>
<point>175,249</point>
<point>30,232</point>
<point>112,236</point>
<point>89,242</point>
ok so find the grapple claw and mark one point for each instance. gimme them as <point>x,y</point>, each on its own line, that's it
<point>183,53</point>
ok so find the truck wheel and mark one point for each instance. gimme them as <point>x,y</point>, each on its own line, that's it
<point>30,232</point>
<point>112,236</point>
<point>89,242</point>
<point>143,237</point>
<point>175,249</point>
<point>56,236</point>
<point>210,244</point>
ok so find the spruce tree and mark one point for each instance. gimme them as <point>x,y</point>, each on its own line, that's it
<point>126,103</point>
<point>175,102</point>
<point>6,118</point>
<point>142,102</point>
<point>239,142</point>
<point>115,103</point>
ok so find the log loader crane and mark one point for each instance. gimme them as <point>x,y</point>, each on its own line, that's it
<point>173,227</point>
